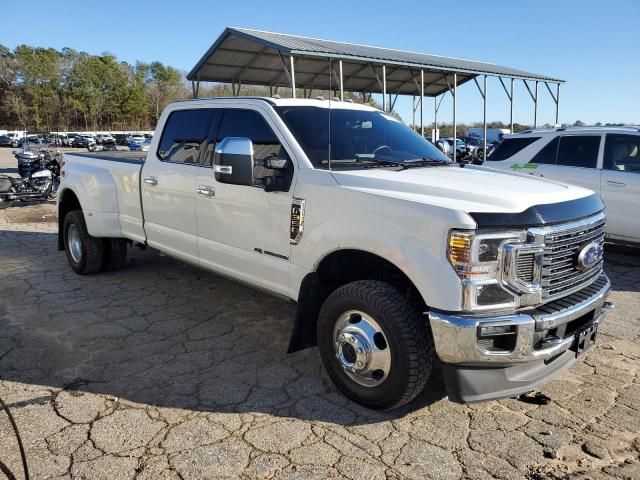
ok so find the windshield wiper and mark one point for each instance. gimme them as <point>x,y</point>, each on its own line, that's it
<point>425,161</point>
<point>389,163</point>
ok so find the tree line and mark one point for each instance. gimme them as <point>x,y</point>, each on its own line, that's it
<point>45,89</point>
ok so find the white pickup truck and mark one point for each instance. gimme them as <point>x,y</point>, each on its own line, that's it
<point>394,255</point>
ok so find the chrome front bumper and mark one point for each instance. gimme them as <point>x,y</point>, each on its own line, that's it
<point>456,336</point>
<point>547,341</point>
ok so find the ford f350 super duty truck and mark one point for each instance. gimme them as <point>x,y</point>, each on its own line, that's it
<point>394,255</point>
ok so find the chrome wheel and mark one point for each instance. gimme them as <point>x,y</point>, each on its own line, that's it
<point>74,242</point>
<point>361,348</point>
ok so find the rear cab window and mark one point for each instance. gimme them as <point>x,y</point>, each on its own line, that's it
<point>185,136</point>
<point>509,147</point>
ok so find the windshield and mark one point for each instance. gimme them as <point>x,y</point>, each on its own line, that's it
<point>358,138</point>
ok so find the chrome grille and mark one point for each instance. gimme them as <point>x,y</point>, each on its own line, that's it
<point>562,244</point>
<point>525,267</point>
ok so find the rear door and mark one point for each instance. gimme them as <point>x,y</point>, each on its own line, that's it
<point>244,231</point>
<point>169,183</point>
<point>621,186</point>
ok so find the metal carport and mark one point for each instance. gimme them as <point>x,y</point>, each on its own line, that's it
<point>243,56</point>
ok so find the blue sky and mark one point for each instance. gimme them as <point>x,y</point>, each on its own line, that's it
<point>593,45</point>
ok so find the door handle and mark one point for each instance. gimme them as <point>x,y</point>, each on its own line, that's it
<point>151,181</point>
<point>619,184</point>
<point>206,191</point>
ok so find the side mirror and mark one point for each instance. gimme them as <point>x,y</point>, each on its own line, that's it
<point>233,161</point>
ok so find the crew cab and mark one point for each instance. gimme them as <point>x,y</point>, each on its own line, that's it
<point>603,159</point>
<point>394,255</point>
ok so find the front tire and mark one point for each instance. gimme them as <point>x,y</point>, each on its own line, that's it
<point>84,252</point>
<point>374,344</point>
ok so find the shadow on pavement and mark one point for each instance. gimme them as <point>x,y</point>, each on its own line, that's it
<point>621,264</point>
<point>161,333</point>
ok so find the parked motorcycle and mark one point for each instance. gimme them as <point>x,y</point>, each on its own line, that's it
<point>40,181</point>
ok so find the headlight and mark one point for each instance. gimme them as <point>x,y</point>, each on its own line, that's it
<point>476,258</point>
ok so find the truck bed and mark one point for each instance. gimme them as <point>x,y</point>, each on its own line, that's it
<point>111,180</point>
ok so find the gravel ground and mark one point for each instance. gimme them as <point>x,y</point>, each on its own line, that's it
<point>163,371</point>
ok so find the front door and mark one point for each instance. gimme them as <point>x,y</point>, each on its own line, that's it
<point>243,231</point>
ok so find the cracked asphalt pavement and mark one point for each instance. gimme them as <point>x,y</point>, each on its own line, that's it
<point>164,371</point>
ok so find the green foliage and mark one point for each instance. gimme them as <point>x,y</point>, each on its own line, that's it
<point>46,89</point>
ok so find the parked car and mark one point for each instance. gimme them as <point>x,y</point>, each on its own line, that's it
<point>33,140</point>
<point>135,138</point>
<point>71,138</point>
<point>15,138</point>
<point>478,144</point>
<point>104,138</point>
<point>603,159</point>
<point>494,135</point>
<point>394,255</point>
<point>140,147</point>
<point>5,141</point>
<point>464,153</point>
<point>83,141</point>
<point>121,139</point>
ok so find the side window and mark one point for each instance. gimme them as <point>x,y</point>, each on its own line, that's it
<point>548,154</point>
<point>185,136</point>
<point>622,153</point>
<point>509,147</point>
<point>250,124</point>
<point>578,151</point>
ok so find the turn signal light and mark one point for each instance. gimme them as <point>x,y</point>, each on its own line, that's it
<point>460,247</point>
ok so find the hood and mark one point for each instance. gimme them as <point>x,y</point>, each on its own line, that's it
<point>468,189</point>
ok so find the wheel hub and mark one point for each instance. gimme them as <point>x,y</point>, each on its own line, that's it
<point>361,348</point>
<point>74,244</point>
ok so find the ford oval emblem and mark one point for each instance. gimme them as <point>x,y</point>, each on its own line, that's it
<point>589,255</point>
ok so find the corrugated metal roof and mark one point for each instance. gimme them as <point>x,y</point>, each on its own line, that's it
<point>255,57</point>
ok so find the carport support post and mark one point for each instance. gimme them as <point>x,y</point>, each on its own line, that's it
<point>511,107</point>
<point>293,78</point>
<point>535,107</point>
<point>557,102</point>
<point>484,98</point>
<point>341,82</point>
<point>384,88</point>
<point>455,86</point>
<point>413,109</point>
<point>422,102</point>
<point>435,119</point>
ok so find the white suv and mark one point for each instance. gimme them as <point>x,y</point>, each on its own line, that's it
<point>606,160</point>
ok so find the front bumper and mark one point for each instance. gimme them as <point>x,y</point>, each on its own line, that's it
<point>543,345</point>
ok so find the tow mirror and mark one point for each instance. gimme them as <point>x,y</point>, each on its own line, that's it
<point>233,161</point>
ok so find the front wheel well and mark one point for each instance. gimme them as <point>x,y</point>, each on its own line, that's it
<point>67,203</point>
<point>337,269</point>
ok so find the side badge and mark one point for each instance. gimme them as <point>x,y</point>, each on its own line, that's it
<point>297,221</point>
